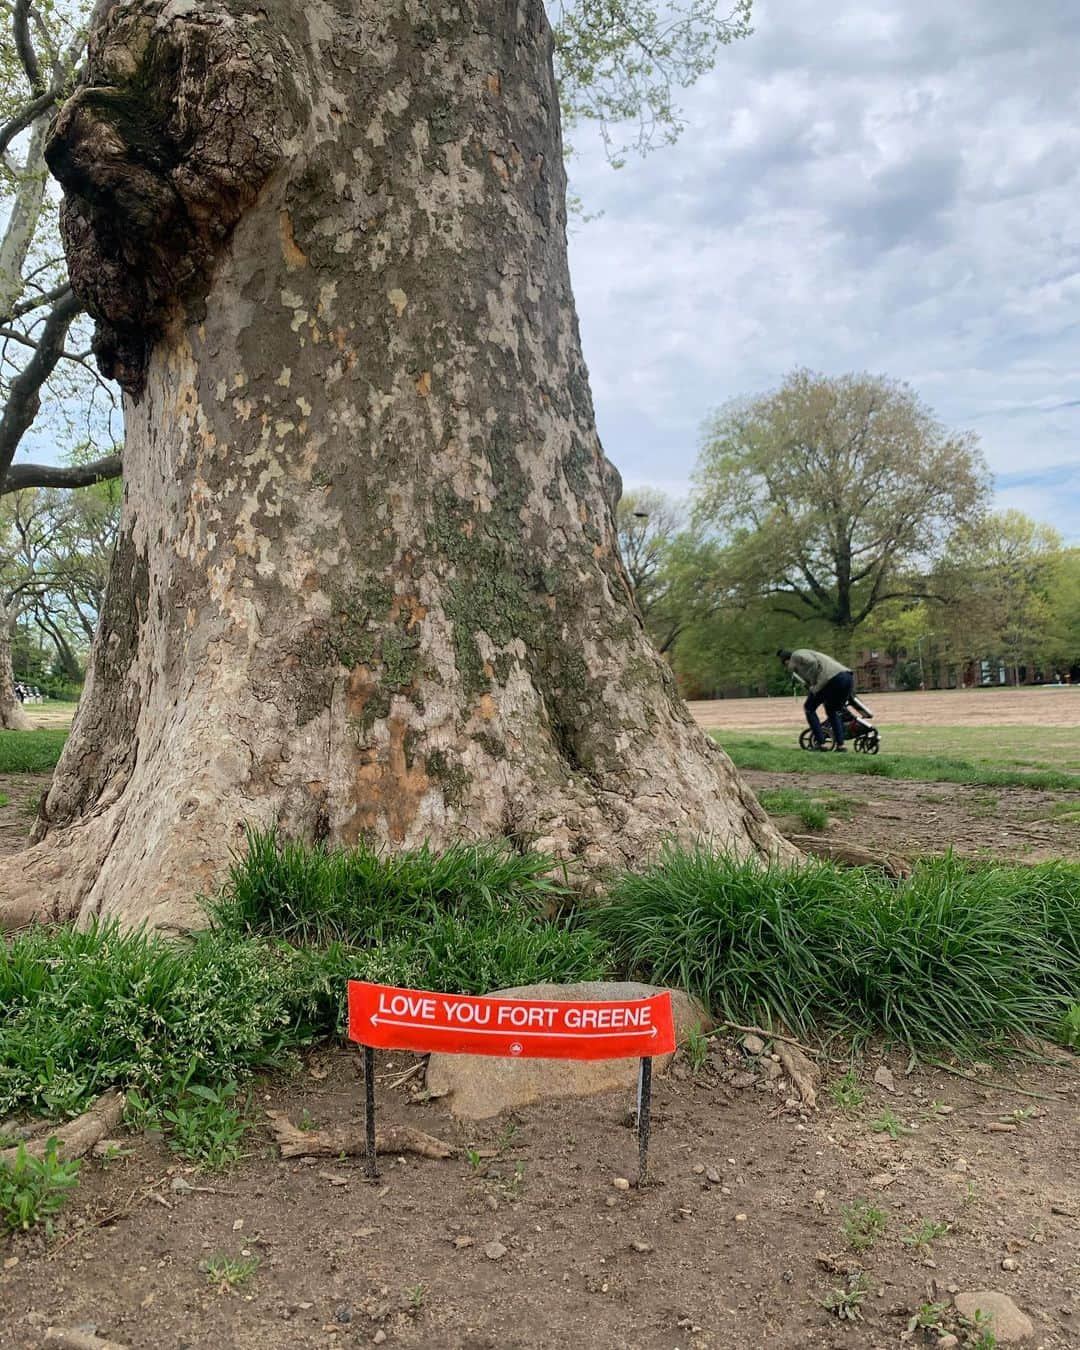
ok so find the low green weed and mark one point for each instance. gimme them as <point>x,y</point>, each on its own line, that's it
<point>928,1317</point>
<point>927,1233</point>
<point>696,1050</point>
<point>982,1338</point>
<point>888,1122</point>
<point>1070,1027</point>
<point>33,1189</point>
<point>88,1010</point>
<point>846,1092</point>
<point>4,799</point>
<point>863,1224</point>
<point>847,1303</point>
<point>206,1125</point>
<point>226,1273</point>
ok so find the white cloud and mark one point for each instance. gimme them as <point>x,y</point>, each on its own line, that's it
<point>890,191</point>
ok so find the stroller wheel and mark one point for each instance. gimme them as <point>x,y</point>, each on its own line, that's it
<point>873,741</point>
<point>806,739</point>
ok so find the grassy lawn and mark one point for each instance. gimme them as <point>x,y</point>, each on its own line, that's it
<point>991,756</point>
<point>30,751</point>
<point>54,713</point>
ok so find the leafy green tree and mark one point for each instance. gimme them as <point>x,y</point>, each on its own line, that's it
<point>831,496</point>
<point>621,63</point>
<point>997,584</point>
<point>1063,644</point>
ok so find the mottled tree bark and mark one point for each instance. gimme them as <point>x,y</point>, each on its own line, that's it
<point>367,583</point>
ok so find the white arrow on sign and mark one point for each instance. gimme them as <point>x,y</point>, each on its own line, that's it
<point>509,1031</point>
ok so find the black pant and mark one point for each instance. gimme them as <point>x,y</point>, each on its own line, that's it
<point>834,694</point>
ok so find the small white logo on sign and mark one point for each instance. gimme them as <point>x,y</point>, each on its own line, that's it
<point>515,1047</point>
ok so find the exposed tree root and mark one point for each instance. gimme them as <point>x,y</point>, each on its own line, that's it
<point>804,1075</point>
<point>78,1136</point>
<point>851,855</point>
<point>296,1143</point>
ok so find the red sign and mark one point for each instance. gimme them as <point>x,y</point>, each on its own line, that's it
<point>413,1019</point>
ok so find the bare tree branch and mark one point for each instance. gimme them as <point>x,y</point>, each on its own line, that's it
<point>36,302</point>
<point>20,24</point>
<point>30,112</point>
<point>24,398</point>
<point>21,476</point>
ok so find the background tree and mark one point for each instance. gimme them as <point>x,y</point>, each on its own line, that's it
<point>367,581</point>
<point>832,496</point>
<point>55,551</point>
<point>43,343</point>
<point>647,522</point>
<point>1063,642</point>
<point>997,584</point>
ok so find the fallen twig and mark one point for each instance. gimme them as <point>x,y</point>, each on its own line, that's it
<point>416,1068</point>
<point>78,1136</point>
<point>985,1083</point>
<point>297,1143</point>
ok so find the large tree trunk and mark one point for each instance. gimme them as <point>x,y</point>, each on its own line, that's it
<point>366,584</point>
<point>12,717</point>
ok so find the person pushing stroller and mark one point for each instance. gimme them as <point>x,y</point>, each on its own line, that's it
<point>830,684</point>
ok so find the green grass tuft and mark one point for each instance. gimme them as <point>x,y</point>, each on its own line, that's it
<point>468,920</point>
<point>30,751</point>
<point>812,813</point>
<point>955,957</point>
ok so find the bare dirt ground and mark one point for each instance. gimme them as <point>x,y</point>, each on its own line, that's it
<point>733,1245</point>
<point>1047,705</point>
<point>23,792</point>
<point>892,815</point>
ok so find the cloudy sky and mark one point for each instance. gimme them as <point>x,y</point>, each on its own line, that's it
<point>881,185</point>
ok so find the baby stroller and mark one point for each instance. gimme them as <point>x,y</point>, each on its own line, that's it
<point>858,729</point>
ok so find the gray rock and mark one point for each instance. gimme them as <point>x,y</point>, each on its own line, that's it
<point>884,1079</point>
<point>1005,1319</point>
<point>479,1086</point>
<point>753,1045</point>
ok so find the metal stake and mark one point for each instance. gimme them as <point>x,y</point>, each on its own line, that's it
<point>370,1169</point>
<point>643,1118</point>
